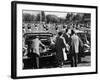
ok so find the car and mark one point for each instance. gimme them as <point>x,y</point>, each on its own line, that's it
<point>86,39</point>
<point>47,56</point>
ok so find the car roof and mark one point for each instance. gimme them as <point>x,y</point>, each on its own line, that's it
<point>38,34</point>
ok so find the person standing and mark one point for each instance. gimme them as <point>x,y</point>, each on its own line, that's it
<point>60,45</point>
<point>75,41</point>
<point>66,35</point>
<point>67,38</point>
<point>35,49</point>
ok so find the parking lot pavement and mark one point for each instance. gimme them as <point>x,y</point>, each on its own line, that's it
<point>85,61</point>
<point>48,63</point>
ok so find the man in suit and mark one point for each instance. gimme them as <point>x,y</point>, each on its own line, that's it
<point>75,42</point>
<point>60,45</point>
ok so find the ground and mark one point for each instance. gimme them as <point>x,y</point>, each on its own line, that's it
<point>49,62</point>
<point>85,61</point>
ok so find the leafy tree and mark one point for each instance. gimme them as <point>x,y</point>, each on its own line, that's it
<point>69,17</point>
<point>28,18</point>
<point>77,18</point>
<point>52,19</point>
<point>37,17</point>
<point>86,18</point>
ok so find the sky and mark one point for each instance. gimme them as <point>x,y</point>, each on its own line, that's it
<point>59,14</point>
<point>31,12</point>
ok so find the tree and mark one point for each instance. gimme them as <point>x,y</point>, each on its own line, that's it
<point>28,18</point>
<point>77,18</point>
<point>69,17</point>
<point>52,19</point>
<point>37,17</point>
<point>42,16</point>
<point>62,20</point>
<point>86,18</point>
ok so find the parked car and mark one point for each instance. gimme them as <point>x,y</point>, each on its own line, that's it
<point>47,57</point>
<point>86,39</point>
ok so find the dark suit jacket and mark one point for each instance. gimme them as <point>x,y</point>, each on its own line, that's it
<point>59,46</point>
<point>67,39</point>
